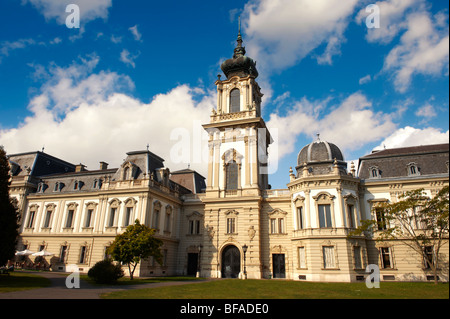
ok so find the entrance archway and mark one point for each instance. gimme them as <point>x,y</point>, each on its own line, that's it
<point>231,262</point>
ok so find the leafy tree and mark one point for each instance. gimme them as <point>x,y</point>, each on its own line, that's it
<point>419,222</point>
<point>9,216</point>
<point>136,243</point>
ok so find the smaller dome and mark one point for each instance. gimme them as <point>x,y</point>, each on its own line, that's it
<point>319,151</point>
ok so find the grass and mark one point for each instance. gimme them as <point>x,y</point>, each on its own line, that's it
<point>22,281</point>
<point>275,289</point>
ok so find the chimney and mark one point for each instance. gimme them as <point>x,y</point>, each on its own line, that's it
<point>80,167</point>
<point>103,165</point>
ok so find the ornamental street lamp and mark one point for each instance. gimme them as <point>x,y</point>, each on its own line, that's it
<point>244,249</point>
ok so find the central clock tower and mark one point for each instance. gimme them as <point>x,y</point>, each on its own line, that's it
<point>237,172</point>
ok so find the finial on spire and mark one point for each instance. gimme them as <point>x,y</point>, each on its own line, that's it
<point>239,38</point>
<point>318,137</point>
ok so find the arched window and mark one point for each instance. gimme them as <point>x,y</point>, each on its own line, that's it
<point>232,176</point>
<point>235,101</point>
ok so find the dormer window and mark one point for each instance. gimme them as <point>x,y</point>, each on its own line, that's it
<point>374,172</point>
<point>235,101</point>
<point>58,186</point>
<point>97,184</point>
<point>77,185</point>
<point>413,169</point>
<point>41,187</point>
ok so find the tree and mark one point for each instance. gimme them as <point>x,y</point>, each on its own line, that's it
<point>9,216</point>
<point>136,243</point>
<point>419,222</point>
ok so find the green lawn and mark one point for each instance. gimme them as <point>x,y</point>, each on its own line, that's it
<point>21,281</point>
<point>275,289</point>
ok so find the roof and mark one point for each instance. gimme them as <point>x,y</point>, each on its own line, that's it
<point>409,150</point>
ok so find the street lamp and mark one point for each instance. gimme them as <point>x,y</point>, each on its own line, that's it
<point>244,249</point>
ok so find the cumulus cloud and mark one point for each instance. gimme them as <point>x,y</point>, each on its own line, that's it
<point>424,42</point>
<point>350,124</point>
<point>283,32</point>
<point>410,136</point>
<point>127,58</point>
<point>83,116</point>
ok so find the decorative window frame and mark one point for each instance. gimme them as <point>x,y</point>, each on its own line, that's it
<point>374,170</point>
<point>113,203</point>
<point>70,206</point>
<point>32,208</point>
<point>195,219</point>
<point>352,200</point>
<point>324,198</point>
<point>301,245</point>
<point>168,219</point>
<point>234,215</point>
<point>374,204</point>
<point>299,202</point>
<point>156,218</point>
<point>129,170</point>
<point>391,256</point>
<point>280,217</point>
<point>52,209</point>
<point>329,243</point>
<point>413,169</point>
<point>227,157</point>
<point>89,206</point>
<point>129,203</point>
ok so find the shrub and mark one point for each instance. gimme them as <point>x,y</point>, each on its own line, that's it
<point>105,272</point>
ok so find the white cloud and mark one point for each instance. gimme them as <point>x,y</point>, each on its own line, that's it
<point>410,136</point>
<point>282,32</point>
<point>81,116</point>
<point>365,79</point>
<point>136,34</point>
<point>127,58</point>
<point>350,124</point>
<point>56,9</point>
<point>427,111</point>
<point>423,49</point>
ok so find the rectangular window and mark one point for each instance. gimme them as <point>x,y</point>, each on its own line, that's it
<point>381,220</point>
<point>128,212</point>
<point>112,216</point>
<point>62,254</point>
<point>428,257</point>
<point>167,223</point>
<point>325,216</point>
<point>191,227</point>
<point>156,219</point>
<point>301,257</point>
<point>273,225</point>
<point>299,217</point>
<point>232,176</point>
<point>88,218</point>
<point>351,214</point>
<point>231,225</point>
<point>82,255</point>
<point>47,220</point>
<point>69,219</point>
<point>328,257</point>
<point>281,225</point>
<point>197,227</point>
<point>385,257</point>
<point>31,219</point>
<point>357,256</point>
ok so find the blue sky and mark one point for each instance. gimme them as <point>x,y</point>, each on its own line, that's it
<point>135,71</point>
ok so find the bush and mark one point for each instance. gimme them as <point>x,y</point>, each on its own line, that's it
<point>105,272</point>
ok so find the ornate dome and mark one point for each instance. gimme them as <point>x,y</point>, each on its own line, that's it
<point>320,156</point>
<point>240,64</point>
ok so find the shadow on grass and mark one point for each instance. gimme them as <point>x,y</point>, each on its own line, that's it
<point>17,281</point>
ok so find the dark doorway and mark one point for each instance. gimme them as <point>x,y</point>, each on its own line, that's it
<point>231,262</point>
<point>192,264</point>
<point>279,269</point>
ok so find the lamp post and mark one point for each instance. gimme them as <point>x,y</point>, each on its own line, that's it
<point>198,260</point>
<point>244,249</point>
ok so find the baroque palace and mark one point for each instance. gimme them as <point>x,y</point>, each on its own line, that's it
<point>229,225</point>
